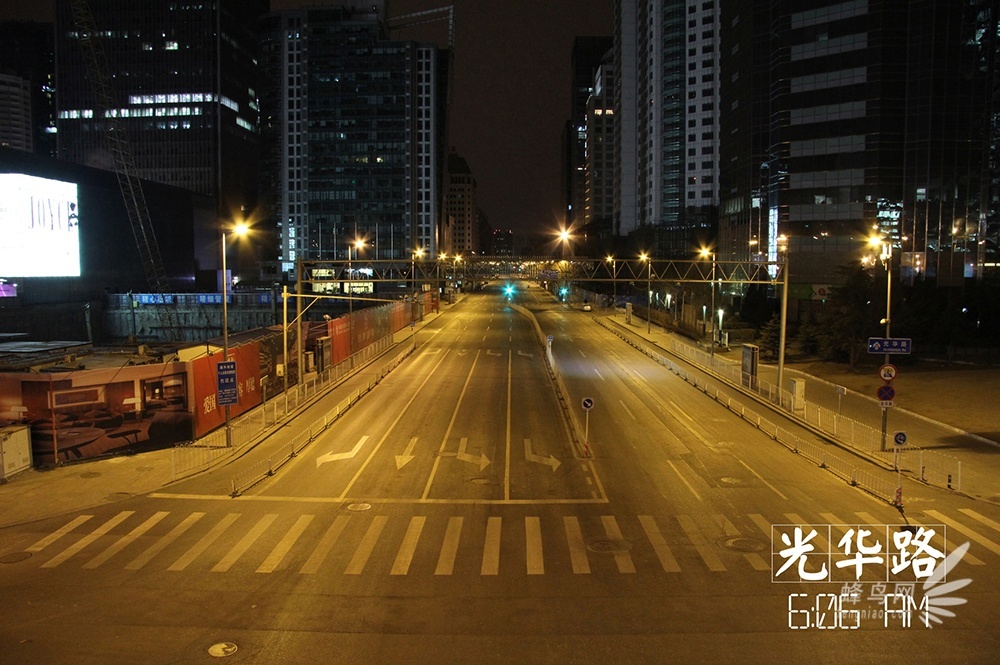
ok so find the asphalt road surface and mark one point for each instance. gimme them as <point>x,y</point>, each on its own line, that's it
<point>450,517</point>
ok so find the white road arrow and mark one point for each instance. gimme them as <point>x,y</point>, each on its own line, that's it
<point>481,460</point>
<point>492,353</point>
<point>532,457</point>
<point>407,456</point>
<point>525,355</point>
<point>332,457</point>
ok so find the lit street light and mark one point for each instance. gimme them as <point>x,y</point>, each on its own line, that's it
<point>614,284</point>
<point>649,290</point>
<point>885,256</point>
<point>706,253</point>
<point>239,230</point>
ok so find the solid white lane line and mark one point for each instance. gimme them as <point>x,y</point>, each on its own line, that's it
<point>630,414</point>
<point>684,480</point>
<point>761,478</point>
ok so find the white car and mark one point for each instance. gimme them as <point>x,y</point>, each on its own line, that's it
<point>587,307</point>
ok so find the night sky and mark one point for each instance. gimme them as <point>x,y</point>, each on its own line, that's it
<point>511,97</point>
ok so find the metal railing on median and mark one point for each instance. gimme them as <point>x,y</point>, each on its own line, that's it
<point>203,453</point>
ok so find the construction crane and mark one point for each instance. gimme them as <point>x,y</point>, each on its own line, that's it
<point>124,164</point>
<point>431,16</point>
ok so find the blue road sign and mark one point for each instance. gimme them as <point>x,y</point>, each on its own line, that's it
<point>890,345</point>
<point>885,393</point>
<point>899,438</point>
<point>227,392</point>
<point>587,403</point>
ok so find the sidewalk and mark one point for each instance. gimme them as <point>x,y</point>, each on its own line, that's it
<point>40,493</point>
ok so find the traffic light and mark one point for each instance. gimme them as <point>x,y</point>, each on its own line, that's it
<point>508,291</point>
<point>563,292</point>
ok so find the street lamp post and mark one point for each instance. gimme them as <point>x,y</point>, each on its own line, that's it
<point>240,229</point>
<point>649,290</point>
<point>417,253</point>
<point>357,244</point>
<point>783,248</point>
<point>705,253</point>
<point>885,256</point>
<point>720,324</point>
<point>614,285</point>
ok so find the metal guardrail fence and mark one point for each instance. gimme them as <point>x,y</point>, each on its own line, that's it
<point>210,449</point>
<point>929,466</point>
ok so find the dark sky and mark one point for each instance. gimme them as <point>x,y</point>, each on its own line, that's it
<point>511,96</point>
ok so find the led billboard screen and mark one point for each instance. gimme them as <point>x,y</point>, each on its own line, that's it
<point>39,227</point>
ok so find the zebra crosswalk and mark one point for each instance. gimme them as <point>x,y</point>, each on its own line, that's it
<point>399,545</point>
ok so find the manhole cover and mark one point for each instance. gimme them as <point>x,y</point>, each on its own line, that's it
<point>729,480</point>
<point>481,481</point>
<point>742,544</point>
<point>446,453</point>
<point>359,507</point>
<point>15,557</point>
<point>90,474</point>
<point>609,546</point>
<point>222,649</point>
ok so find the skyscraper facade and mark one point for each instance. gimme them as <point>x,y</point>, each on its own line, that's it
<point>588,53</point>
<point>666,113</point>
<point>878,118</point>
<point>460,205</point>
<point>183,78</point>
<point>15,113</point>
<point>353,132</point>
<point>28,54</point>
<point>600,157</point>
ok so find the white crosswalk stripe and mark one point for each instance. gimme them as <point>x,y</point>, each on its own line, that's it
<point>411,545</point>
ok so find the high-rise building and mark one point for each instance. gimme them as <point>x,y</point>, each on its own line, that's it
<point>353,128</point>
<point>184,79</point>
<point>460,204</point>
<point>28,54</point>
<point>15,112</point>
<point>600,158</point>
<point>878,117</point>
<point>666,115</point>
<point>588,53</point>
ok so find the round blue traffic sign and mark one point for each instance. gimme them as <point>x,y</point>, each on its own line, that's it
<point>885,393</point>
<point>899,438</point>
<point>587,403</point>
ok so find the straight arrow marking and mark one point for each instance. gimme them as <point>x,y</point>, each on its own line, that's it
<point>331,457</point>
<point>407,456</point>
<point>532,457</point>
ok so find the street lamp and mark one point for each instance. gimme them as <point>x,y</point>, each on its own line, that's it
<point>720,325</point>
<point>417,253</point>
<point>705,253</point>
<point>240,230</point>
<point>614,284</point>
<point>649,289</point>
<point>669,310</point>
<point>783,249</point>
<point>885,256</point>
